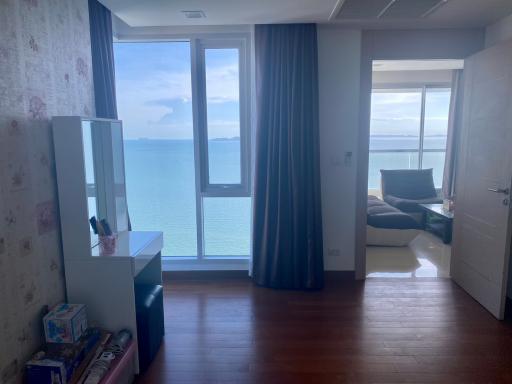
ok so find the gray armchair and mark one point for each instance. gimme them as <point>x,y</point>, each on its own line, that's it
<point>406,189</point>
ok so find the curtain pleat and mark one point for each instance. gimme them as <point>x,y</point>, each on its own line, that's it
<point>287,221</point>
<point>102,60</point>
<point>103,69</point>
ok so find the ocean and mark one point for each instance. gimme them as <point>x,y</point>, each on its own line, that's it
<point>160,185</point>
<point>405,160</point>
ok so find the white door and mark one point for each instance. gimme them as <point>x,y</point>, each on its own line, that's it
<point>481,232</point>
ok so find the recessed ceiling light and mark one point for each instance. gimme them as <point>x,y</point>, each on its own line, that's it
<point>194,14</point>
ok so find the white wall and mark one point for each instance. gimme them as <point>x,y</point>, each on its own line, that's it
<point>380,78</point>
<point>123,31</point>
<point>339,53</point>
<point>499,31</point>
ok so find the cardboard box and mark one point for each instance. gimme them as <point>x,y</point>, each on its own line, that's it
<point>45,371</point>
<point>65,323</point>
<point>61,363</point>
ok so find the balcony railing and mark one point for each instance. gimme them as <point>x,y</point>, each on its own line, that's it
<point>404,159</point>
<point>405,150</point>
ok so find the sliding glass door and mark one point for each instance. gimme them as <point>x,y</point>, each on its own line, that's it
<point>185,108</point>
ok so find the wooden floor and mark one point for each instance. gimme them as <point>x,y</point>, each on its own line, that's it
<point>378,331</point>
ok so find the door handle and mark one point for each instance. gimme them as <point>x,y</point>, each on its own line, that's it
<point>505,191</point>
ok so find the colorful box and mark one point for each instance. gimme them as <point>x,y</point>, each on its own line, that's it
<point>62,363</point>
<point>65,323</point>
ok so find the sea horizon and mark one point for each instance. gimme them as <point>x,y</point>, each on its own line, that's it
<point>161,189</point>
<point>236,138</point>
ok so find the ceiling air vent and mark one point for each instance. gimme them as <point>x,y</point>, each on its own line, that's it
<point>410,9</point>
<point>361,9</point>
<point>194,14</point>
<point>386,9</point>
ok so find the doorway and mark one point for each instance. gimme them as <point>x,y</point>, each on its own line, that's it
<point>409,217</point>
<point>481,229</point>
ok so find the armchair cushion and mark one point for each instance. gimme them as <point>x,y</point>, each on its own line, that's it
<point>410,184</point>
<point>382,215</point>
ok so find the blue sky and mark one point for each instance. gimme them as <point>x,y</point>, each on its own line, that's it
<point>398,113</point>
<point>154,97</point>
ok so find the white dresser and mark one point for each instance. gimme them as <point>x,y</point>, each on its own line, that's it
<point>90,176</point>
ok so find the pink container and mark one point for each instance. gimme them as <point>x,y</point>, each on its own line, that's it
<point>107,244</point>
<point>121,371</point>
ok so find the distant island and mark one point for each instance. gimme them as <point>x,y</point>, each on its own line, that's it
<point>226,138</point>
<point>234,138</point>
<point>398,135</point>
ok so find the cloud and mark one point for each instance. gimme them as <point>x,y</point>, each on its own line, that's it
<point>154,92</point>
<point>179,111</point>
<point>222,84</point>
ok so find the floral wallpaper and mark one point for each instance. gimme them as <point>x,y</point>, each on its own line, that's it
<point>45,70</point>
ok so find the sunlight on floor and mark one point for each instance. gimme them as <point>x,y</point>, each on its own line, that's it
<point>426,256</point>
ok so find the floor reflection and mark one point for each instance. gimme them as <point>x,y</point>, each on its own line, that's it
<point>426,256</point>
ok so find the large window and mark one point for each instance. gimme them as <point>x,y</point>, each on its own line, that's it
<point>408,130</point>
<point>184,110</point>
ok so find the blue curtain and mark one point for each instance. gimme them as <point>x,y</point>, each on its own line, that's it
<point>100,21</point>
<point>287,220</point>
<point>103,70</point>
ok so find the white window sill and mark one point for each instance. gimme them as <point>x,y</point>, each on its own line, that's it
<point>229,263</point>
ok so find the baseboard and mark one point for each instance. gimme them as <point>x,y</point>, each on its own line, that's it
<point>340,275</point>
<point>204,275</point>
<point>223,275</point>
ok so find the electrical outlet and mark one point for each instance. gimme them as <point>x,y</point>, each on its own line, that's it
<point>335,252</point>
<point>348,159</point>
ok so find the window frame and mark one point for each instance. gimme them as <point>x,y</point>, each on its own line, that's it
<point>212,38</point>
<point>198,48</point>
<point>423,87</point>
<point>204,188</point>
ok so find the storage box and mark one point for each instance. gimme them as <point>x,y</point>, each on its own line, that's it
<point>62,363</point>
<point>65,323</point>
<point>45,371</point>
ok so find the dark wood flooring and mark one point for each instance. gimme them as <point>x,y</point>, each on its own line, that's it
<point>378,331</point>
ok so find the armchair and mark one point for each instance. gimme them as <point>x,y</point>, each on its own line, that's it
<point>406,189</point>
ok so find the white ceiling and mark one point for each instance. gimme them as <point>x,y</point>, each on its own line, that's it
<point>137,13</point>
<point>453,14</point>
